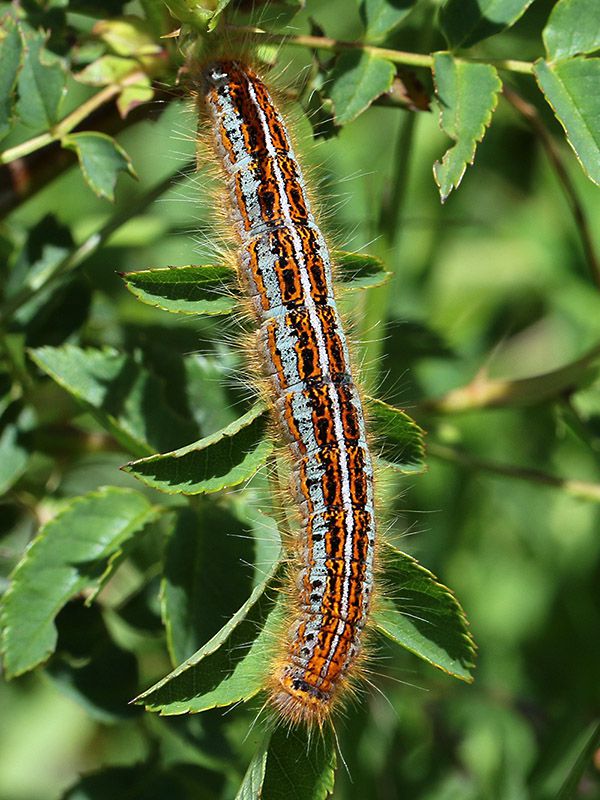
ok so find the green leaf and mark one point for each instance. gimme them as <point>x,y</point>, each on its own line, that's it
<point>400,440</point>
<point>67,556</point>
<point>107,70</point>
<point>587,745</point>
<point>214,290</point>
<point>467,95</point>
<point>186,290</point>
<point>148,781</point>
<point>358,270</point>
<point>290,765</point>
<point>127,36</point>
<point>134,95</point>
<point>381,17</point>
<point>572,29</point>
<point>41,83</point>
<point>201,14</point>
<point>10,59</point>
<point>101,159</point>
<point>221,6</point>
<point>423,616</point>
<point>228,668</point>
<point>126,398</point>
<point>571,88</point>
<point>255,774</point>
<point>13,458</point>
<point>85,655</point>
<point>206,576</point>
<point>223,459</point>
<point>358,79</point>
<point>47,244</point>
<point>465,24</point>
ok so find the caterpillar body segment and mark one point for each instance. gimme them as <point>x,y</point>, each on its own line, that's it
<point>285,264</point>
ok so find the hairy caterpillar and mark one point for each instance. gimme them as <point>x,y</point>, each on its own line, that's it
<point>284,264</point>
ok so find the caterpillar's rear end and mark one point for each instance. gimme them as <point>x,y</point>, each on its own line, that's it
<point>284,263</point>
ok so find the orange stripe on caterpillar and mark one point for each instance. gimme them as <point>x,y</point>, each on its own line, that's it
<point>285,263</point>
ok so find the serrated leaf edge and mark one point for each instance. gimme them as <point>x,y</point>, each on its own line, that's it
<point>394,552</point>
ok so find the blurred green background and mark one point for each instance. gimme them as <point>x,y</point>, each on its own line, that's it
<point>494,280</point>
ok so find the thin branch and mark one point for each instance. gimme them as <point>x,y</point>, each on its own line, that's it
<point>87,248</point>
<point>530,113</point>
<point>584,490</point>
<point>69,122</point>
<point>484,392</point>
<point>23,178</point>
<point>396,56</point>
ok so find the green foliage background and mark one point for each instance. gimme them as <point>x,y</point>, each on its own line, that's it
<point>488,333</point>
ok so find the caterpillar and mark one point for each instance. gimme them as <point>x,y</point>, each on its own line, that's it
<point>284,265</point>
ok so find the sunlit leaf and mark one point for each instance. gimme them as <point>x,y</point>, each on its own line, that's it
<point>127,36</point>
<point>223,459</point>
<point>135,94</point>
<point>572,29</point>
<point>228,668</point>
<point>423,616</point>
<point>358,79</point>
<point>400,440</point>
<point>571,88</point>
<point>467,96</point>
<point>358,270</point>
<point>214,289</point>
<point>186,290</point>
<point>107,70</point>
<point>67,556</point>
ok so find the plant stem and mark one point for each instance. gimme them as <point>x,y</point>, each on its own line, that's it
<point>530,113</point>
<point>484,392</point>
<point>584,490</point>
<point>87,248</point>
<point>396,56</point>
<point>69,122</point>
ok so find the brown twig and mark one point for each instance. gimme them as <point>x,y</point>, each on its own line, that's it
<point>584,490</point>
<point>22,178</point>
<point>530,113</point>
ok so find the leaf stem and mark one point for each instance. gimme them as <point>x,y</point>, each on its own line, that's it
<point>88,247</point>
<point>530,113</point>
<point>584,490</point>
<point>396,56</point>
<point>69,122</point>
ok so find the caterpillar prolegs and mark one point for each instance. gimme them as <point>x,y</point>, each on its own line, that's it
<point>285,266</point>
